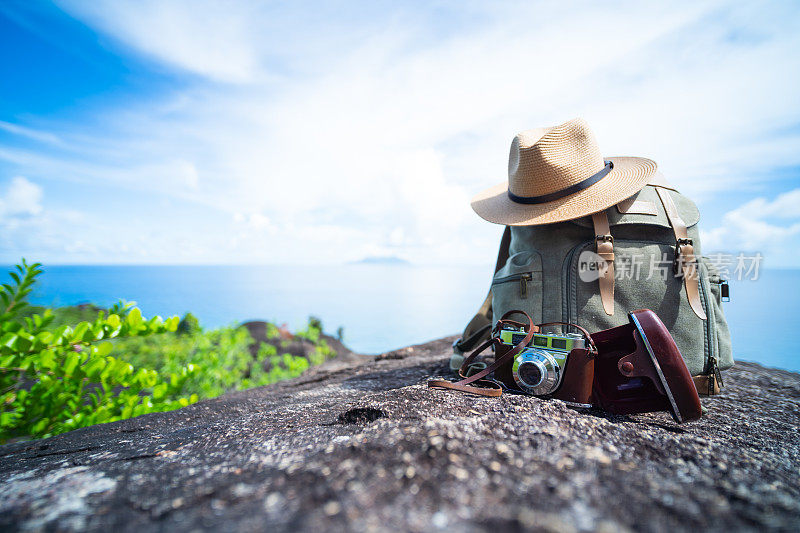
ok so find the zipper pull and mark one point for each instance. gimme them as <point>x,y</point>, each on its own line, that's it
<point>718,374</point>
<point>523,285</point>
<point>724,290</point>
<point>713,373</point>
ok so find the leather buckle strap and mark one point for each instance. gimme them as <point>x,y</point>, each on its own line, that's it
<point>605,249</point>
<point>685,263</point>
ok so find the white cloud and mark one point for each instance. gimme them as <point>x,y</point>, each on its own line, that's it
<point>210,38</point>
<point>28,230</point>
<point>41,136</point>
<point>771,227</point>
<point>786,205</point>
<point>256,222</point>
<point>20,198</point>
<point>357,129</point>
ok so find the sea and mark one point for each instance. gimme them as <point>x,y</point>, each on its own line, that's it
<point>382,307</point>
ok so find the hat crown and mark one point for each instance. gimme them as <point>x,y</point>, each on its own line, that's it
<point>547,160</point>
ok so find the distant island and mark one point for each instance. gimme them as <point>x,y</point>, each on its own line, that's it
<point>388,260</point>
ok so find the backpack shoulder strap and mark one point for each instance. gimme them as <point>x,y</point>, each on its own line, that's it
<point>685,260</point>
<point>605,249</point>
<point>480,326</point>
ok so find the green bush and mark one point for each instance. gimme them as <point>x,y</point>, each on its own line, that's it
<point>57,378</point>
<point>189,324</point>
<point>221,356</point>
<point>56,375</point>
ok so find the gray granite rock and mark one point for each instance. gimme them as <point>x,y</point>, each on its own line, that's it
<point>364,445</point>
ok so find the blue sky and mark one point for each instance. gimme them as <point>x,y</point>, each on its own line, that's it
<point>259,132</point>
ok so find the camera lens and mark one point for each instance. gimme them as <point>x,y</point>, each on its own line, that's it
<point>530,374</point>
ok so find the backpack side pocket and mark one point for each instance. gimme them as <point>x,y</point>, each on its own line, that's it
<point>518,285</point>
<point>721,335</point>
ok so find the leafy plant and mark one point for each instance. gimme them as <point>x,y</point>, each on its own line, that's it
<point>222,357</point>
<point>225,358</point>
<point>189,324</point>
<point>57,378</point>
<point>57,372</point>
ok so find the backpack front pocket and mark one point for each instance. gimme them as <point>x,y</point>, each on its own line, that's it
<point>518,285</point>
<point>644,279</point>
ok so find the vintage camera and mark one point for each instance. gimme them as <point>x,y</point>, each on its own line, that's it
<point>633,368</point>
<point>539,368</point>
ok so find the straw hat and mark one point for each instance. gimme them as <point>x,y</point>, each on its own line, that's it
<point>557,174</point>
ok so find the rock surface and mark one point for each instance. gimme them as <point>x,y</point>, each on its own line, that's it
<point>362,444</point>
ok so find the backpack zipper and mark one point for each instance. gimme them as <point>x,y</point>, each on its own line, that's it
<point>565,296</point>
<point>713,370</point>
<point>523,282</point>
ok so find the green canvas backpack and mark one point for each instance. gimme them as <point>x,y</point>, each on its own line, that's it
<point>643,253</point>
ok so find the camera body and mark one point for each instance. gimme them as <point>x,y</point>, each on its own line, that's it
<point>541,367</point>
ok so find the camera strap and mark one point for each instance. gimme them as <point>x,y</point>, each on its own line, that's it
<point>487,387</point>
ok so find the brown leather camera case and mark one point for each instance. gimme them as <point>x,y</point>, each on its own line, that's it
<point>639,369</point>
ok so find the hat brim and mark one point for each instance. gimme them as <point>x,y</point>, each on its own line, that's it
<point>629,176</point>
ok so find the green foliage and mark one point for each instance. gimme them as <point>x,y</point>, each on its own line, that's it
<point>315,322</point>
<point>271,367</point>
<point>222,355</point>
<point>57,378</point>
<point>63,316</point>
<point>57,372</point>
<point>312,331</point>
<point>189,324</point>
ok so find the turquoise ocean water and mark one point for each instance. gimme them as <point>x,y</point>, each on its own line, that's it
<point>382,307</point>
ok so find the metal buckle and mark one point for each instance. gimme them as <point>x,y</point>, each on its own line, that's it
<point>677,264</point>
<point>604,238</point>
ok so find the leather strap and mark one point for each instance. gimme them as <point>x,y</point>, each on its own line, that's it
<point>605,249</point>
<point>685,261</point>
<point>490,388</point>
